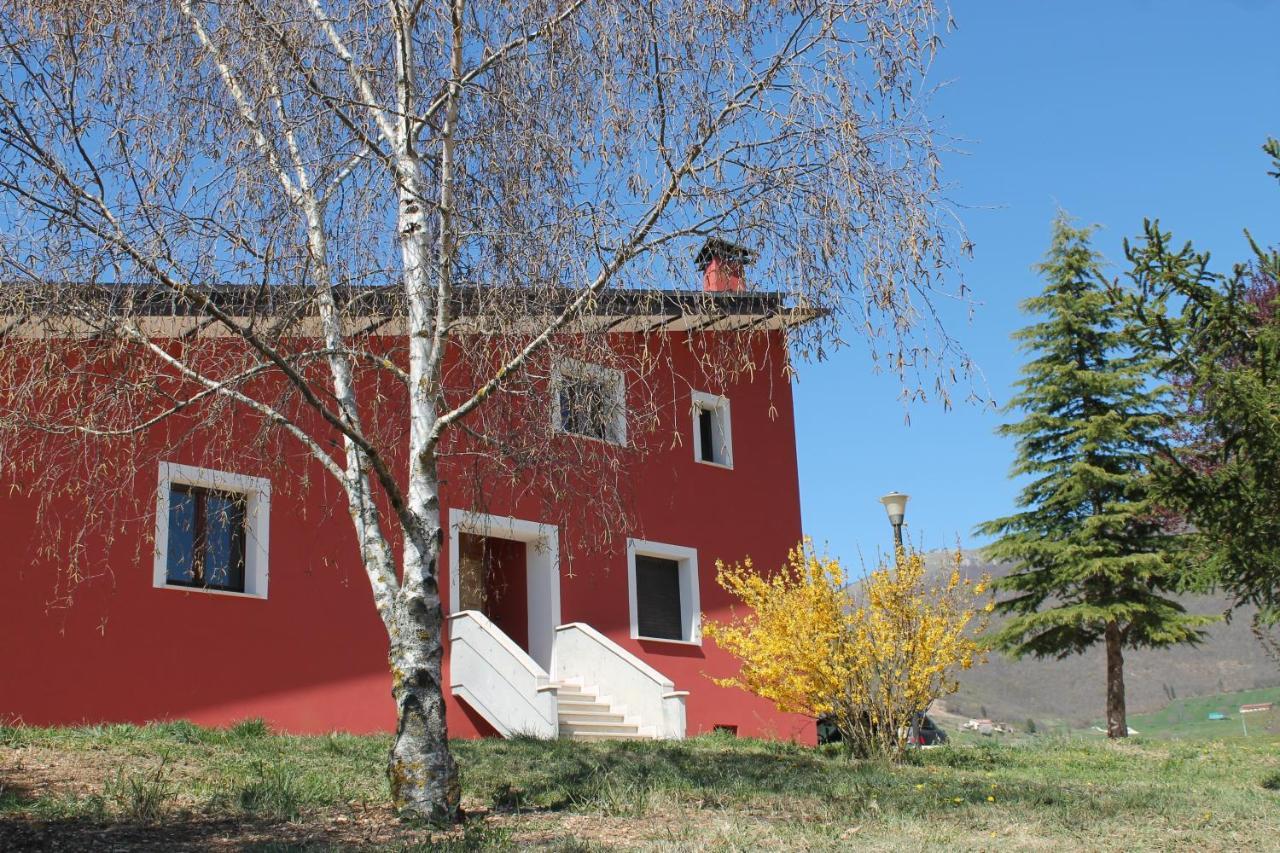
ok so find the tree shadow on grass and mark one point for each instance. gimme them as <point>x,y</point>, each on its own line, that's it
<point>522,775</point>
<point>15,793</point>
<point>622,778</point>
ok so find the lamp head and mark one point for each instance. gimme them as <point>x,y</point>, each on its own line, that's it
<point>895,504</point>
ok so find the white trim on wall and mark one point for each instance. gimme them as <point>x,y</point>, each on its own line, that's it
<point>257,492</point>
<point>542,569</point>
<point>690,605</point>
<point>718,405</point>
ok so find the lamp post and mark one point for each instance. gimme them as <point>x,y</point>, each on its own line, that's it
<point>895,504</point>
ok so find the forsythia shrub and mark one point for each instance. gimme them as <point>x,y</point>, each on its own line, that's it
<point>868,656</point>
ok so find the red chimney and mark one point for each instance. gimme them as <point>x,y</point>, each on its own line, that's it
<point>722,264</point>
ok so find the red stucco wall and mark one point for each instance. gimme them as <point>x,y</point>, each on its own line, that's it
<point>312,656</point>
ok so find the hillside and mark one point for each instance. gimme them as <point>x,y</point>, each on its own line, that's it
<point>1189,718</point>
<point>1072,690</point>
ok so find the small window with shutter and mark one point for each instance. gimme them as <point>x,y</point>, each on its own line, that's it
<point>658,598</point>
<point>712,436</point>
<point>663,581</point>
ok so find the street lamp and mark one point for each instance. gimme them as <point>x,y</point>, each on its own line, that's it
<point>895,504</point>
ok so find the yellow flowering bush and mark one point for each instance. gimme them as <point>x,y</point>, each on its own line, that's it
<point>868,656</point>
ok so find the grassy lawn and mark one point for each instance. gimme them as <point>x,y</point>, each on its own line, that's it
<point>175,786</point>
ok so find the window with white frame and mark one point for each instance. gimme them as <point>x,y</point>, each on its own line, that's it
<point>662,581</point>
<point>590,401</point>
<point>211,530</point>
<point>712,430</point>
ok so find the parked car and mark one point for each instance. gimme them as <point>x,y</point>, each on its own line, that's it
<point>827,731</point>
<point>924,733</point>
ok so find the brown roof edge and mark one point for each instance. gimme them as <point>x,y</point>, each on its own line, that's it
<point>616,305</point>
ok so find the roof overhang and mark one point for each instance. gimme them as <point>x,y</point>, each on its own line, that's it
<point>87,309</point>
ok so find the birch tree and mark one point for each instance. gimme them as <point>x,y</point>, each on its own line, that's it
<point>378,224</point>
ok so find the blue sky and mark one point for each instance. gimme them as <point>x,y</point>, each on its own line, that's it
<point>1113,111</point>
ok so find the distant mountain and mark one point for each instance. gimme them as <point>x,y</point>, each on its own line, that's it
<point>1072,690</point>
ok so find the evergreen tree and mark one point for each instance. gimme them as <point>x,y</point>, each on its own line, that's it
<point>1095,563</point>
<point>1216,338</point>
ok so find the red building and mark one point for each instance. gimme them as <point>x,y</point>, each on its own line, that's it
<point>547,636</point>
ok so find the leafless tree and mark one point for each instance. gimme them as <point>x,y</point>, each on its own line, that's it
<point>293,212</point>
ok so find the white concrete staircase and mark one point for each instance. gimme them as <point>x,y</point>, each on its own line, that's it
<point>584,715</point>
<point>515,695</point>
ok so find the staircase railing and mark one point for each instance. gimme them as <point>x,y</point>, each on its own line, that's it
<point>498,678</point>
<point>582,654</point>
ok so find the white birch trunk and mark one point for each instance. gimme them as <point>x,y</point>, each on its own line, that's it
<point>424,778</point>
<point>422,773</point>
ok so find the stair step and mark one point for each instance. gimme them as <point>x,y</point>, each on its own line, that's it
<point>583,706</point>
<point>584,717</point>
<point>581,726</point>
<point>570,696</point>
<point>602,716</point>
<point>603,736</point>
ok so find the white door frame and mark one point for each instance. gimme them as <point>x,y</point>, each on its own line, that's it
<point>542,570</point>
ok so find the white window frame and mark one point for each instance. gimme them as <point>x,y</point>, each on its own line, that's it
<point>718,405</point>
<point>257,521</point>
<point>570,369</point>
<point>690,604</point>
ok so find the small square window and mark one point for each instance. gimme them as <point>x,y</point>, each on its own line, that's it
<point>590,401</point>
<point>211,531</point>
<point>663,585</point>
<point>712,432</point>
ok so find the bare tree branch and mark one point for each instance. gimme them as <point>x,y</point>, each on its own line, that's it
<point>380,229</point>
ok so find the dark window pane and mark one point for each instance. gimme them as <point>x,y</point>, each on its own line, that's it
<point>566,409</point>
<point>206,540</point>
<point>706,434</point>
<point>575,408</point>
<point>586,407</point>
<point>224,541</point>
<point>658,598</point>
<point>180,549</point>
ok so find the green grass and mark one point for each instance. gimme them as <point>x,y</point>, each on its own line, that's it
<point>174,783</point>
<point>1189,718</point>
